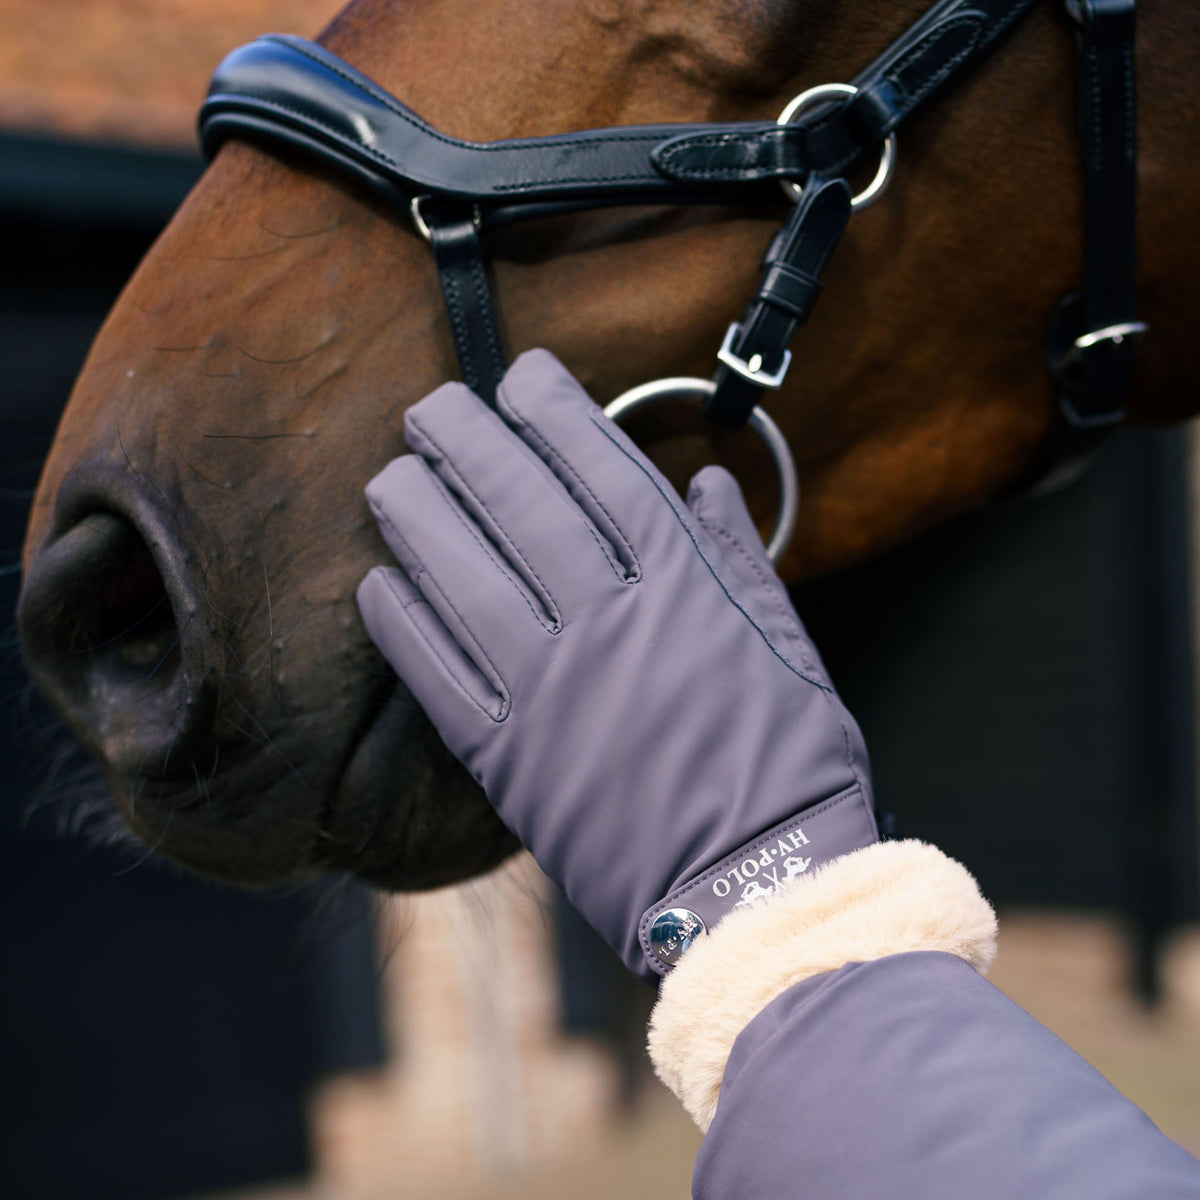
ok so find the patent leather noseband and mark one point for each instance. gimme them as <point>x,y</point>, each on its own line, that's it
<point>291,91</point>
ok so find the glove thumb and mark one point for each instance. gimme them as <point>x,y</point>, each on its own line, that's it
<point>717,503</point>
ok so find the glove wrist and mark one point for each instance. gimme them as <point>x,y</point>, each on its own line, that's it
<point>793,847</point>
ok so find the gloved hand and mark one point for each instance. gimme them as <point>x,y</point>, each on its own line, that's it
<point>623,674</point>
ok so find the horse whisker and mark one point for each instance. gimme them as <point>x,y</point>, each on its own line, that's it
<point>201,786</point>
<point>129,464</point>
<point>245,257</point>
<point>271,742</point>
<point>262,551</point>
<point>245,732</point>
<point>298,236</point>
<point>196,470</point>
<point>223,616</point>
<point>259,437</point>
<point>150,850</point>
<point>338,370</point>
<point>284,362</point>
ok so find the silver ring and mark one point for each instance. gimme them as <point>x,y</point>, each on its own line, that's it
<point>419,222</point>
<point>887,157</point>
<point>422,226</point>
<point>781,453</point>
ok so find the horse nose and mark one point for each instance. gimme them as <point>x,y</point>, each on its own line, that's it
<point>112,632</point>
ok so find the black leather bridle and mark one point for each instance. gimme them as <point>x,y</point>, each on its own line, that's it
<point>291,91</point>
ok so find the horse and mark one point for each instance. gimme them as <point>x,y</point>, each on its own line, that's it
<point>199,527</point>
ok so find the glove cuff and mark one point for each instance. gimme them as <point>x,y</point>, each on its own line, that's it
<point>889,898</point>
<point>754,872</point>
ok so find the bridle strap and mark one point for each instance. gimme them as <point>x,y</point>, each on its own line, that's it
<point>463,275</point>
<point>292,92</point>
<point>755,354</point>
<point>950,39</point>
<point>296,92</point>
<point>1090,343</point>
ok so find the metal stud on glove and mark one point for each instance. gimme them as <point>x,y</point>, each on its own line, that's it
<point>624,674</point>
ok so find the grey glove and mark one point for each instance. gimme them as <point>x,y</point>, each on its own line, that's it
<point>623,675</point>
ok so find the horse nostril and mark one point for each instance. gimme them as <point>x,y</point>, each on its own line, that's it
<point>129,628</point>
<point>106,634</point>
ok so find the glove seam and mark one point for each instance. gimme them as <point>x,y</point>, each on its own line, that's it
<point>634,573</point>
<point>825,688</point>
<point>781,608</point>
<point>406,603</point>
<point>547,597</point>
<point>489,553</point>
<point>707,560</point>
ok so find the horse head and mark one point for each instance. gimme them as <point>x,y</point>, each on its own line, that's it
<point>199,529</point>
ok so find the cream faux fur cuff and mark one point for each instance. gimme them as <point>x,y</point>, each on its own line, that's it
<point>888,898</point>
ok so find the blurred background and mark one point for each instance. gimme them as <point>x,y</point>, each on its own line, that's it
<point>1024,677</point>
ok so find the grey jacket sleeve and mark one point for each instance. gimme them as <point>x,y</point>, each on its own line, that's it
<point>910,1077</point>
<point>839,1041</point>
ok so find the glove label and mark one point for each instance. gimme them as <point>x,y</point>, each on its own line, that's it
<point>759,875</point>
<point>756,872</point>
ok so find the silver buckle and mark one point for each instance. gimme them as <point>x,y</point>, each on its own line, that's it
<point>1110,333</point>
<point>752,370</point>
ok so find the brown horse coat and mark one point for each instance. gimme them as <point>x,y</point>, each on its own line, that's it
<point>199,529</point>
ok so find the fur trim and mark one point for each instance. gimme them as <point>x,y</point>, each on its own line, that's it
<point>888,898</point>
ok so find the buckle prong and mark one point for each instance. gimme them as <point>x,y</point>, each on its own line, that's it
<point>751,369</point>
<point>1109,333</point>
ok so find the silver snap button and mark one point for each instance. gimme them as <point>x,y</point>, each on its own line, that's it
<point>673,932</point>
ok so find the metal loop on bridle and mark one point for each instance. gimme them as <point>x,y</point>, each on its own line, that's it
<point>422,226</point>
<point>1116,334</point>
<point>419,222</point>
<point>887,156</point>
<point>691,388</point>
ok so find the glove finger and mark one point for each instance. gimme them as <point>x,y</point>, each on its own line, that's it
<point>618,489</point>
<point>485,606</point>
<point>509,493</point>
<point>450,688</point>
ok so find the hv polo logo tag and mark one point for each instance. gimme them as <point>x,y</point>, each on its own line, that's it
<point>765,872</point>
<point>755,872</point>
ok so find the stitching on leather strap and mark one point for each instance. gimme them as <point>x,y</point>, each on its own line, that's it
<point>397,109</point>
<point>931,39</point>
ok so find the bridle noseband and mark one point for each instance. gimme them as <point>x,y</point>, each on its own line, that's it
<point>291,91</point>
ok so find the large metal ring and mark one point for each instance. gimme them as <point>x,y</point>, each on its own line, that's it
<point>781,454</point>
<point>887,156</point>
